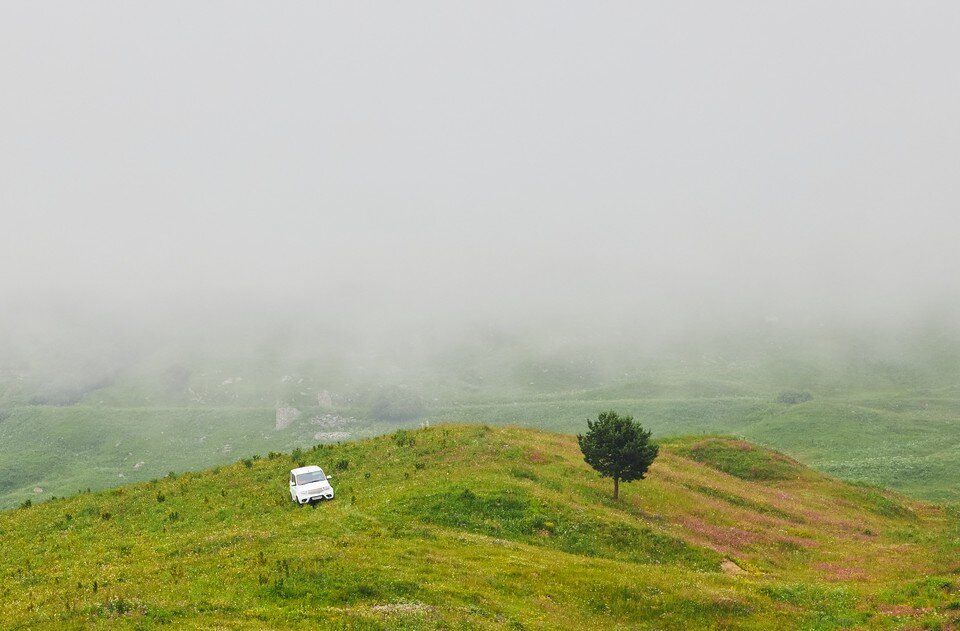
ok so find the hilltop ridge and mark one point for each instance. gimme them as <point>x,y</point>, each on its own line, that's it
<point>466,526</point>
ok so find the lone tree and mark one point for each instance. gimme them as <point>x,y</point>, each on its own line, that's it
<point>618,448</point>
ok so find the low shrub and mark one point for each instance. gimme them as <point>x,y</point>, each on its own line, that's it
<point>403,438</point>
<point>794,397</point>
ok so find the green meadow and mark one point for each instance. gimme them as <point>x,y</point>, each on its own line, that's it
<point>474,527</point>
<point>891,423</point>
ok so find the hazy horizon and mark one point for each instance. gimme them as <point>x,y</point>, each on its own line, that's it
<point>374,168</point>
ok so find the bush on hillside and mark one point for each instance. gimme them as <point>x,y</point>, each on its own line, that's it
<point>793,397</point>
<point>403,438</point>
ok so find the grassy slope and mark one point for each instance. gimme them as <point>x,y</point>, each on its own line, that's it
<point>907,440</point>
<point>70,420</point>
<point>900,440</point>
<point>472,527</point>
<point>63,450</point>
<point>893,424</point>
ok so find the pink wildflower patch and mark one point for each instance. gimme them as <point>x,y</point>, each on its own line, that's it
<point>837,572</point>
<point>723,539</point>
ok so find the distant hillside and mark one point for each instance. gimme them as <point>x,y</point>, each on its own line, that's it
<point>907,441</point>
<point>846,409</point>
<point>463,527</point>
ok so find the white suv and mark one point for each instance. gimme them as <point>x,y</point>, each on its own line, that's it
<point>308,484</point>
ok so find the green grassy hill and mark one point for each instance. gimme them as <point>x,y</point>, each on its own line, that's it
<point>891,419</point>
<point>897,437</point>
<point>463,527</point>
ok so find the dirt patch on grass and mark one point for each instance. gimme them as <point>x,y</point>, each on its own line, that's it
<point>393,608</point>
<point>903,610</point>
<point>838,572</point>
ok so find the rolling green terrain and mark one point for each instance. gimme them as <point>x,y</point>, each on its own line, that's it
<point>904,441</point>
<point>477,527</point>
<point>890,418</point>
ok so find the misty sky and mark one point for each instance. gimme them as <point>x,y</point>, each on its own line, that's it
<point>482,158</point>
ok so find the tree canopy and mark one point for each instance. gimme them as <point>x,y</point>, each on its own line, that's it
<point>617,447</point>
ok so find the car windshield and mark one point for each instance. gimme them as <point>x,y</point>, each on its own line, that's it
<point>313,476</point>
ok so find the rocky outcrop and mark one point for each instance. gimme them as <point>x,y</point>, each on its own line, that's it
<point>286,414</point>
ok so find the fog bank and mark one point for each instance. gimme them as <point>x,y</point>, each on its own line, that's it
<point>366,172</point>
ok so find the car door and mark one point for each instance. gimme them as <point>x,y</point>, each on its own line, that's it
<point>293,487</point>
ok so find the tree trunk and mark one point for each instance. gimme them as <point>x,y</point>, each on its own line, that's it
<point>616,488</point>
